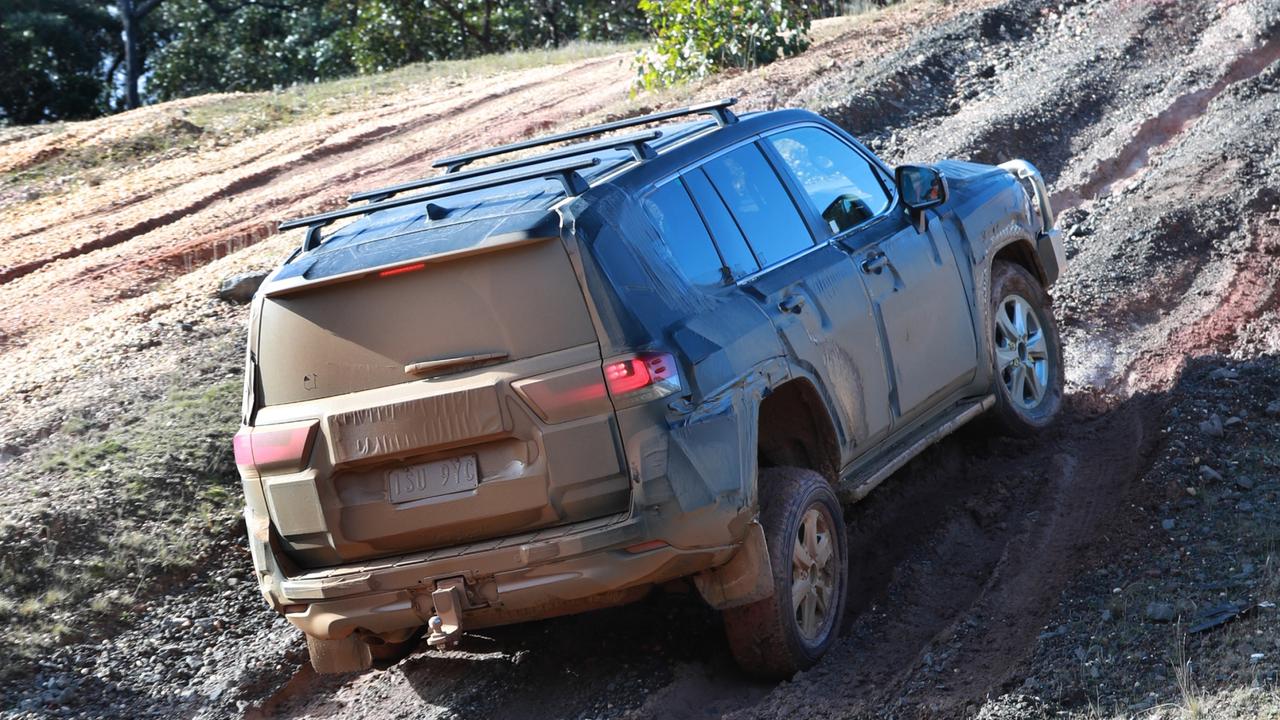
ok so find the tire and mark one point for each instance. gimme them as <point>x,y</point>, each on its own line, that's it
<point>1026,353</point>
<point>331,657</point>
<point>766,637</point>
<point>387,654</point>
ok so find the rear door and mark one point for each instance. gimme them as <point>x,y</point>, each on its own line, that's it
<point>809,289</point>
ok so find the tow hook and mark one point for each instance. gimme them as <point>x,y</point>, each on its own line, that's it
<point>446,622</point>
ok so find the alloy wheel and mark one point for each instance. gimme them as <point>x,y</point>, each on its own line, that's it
<point>1022,352</point>
<point>814,574</point>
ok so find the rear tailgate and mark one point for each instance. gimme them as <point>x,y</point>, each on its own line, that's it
<point>418,378</point>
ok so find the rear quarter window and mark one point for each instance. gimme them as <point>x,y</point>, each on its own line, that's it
<point>683,234</point>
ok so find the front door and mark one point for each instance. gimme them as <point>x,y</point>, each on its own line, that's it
<point>914,283</point>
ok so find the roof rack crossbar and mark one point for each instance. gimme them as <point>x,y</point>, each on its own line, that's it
<point>563,172</point>
<point>718,109</point>
<point>637,144</point>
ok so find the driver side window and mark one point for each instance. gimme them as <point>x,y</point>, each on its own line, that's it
<point>842,184</point>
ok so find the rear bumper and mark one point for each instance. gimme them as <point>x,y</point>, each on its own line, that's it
<point>509,580</point>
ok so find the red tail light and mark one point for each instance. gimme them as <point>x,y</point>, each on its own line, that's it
<point>274,447</point>
<point>644,377</point>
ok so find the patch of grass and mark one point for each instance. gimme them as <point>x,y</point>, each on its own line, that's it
<point>87,459</point>
<point>1192,699</point>
<point>135,503</point>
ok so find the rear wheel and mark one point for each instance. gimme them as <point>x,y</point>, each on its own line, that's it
<point>1026,351</point>
<point>804,529</point>
<point>386,653</point>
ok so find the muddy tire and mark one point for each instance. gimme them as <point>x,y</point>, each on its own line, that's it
<point>1025,351</point>
<point>387,654</point>
<point>803,524</point>
<point>348,655</point>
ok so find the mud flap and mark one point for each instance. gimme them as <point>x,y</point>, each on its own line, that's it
<point>746,578</point>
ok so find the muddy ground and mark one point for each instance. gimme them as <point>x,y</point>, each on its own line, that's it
<point>991,577</point>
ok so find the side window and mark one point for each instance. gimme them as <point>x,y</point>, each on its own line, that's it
<point>733,247</point>
<point>684,234</point>
<point>842,184</point>
<point>759,203</point>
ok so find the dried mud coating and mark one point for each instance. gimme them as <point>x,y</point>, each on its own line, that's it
<point>1154,125</point>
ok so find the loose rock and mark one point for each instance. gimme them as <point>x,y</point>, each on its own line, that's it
<point>1160,612</point>
<point>239,289</point>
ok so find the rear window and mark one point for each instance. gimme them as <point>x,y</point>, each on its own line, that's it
<point>684,234</point>
<point>400,234</point>
<point>760,204</point>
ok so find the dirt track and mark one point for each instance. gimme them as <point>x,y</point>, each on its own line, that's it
<point>1154,124</point>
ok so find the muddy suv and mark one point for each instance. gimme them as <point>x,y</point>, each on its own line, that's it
<point>548,384</point>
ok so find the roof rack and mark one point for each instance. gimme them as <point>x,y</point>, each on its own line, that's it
<point>718,109</point>
<point>564,172</point>
<point>637,143</point>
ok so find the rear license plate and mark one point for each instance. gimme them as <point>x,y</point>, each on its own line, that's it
<point>426,480</point>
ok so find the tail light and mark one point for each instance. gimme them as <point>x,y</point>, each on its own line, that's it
<point>641,378</point>
<point>274,447</point>
<point>586,390</point>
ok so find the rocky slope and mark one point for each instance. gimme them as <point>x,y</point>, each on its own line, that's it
<point>993,578</point>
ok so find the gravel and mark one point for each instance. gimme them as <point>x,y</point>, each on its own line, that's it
<point>997,578</point>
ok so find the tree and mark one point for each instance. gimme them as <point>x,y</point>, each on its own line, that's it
<point>53,53</point>
<point>132,12</point>
<point>694,38</point>
<point>80,58</point>
<point>215,47</point>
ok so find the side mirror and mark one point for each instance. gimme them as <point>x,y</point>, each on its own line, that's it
<point>921,188</point>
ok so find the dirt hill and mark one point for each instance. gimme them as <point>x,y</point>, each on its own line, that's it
<point>993,578</point>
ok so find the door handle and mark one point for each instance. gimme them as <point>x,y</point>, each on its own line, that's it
<point>874,263</point>
<point>793,304</point>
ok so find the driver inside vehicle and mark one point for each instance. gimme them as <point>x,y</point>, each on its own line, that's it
<point>847,211</point>
<point>835,176</point>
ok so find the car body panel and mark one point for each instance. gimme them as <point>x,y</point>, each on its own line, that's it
<point>583,499</point>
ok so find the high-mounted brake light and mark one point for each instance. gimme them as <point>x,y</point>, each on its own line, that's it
<point>644,377</point>
<point>402,269</point>
<point>274,448</point>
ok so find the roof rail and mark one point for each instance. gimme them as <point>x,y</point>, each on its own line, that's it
<point>718,109</point>
<point>637,143</point>
<point>565,172</point>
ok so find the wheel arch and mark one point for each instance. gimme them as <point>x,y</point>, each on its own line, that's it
<point>795,429</point>
<point>1021,251</point>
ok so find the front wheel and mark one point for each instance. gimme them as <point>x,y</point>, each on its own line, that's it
<point>776,637</point>
<point>1026,351</point>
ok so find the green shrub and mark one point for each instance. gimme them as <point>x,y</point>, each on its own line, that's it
<point>694,38</point>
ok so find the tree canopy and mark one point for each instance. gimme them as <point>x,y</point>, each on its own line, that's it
<point>71,59</point>
<point>56,56</point>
